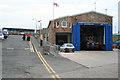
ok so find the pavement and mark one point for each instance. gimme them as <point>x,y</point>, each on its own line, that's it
<point>100,64</point>
<point>91,59</point>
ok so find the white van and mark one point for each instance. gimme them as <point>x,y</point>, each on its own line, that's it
<point>1,34</point>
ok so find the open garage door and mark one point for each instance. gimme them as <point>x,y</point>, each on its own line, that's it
<point>92,37</point>
<point>62,38</point>
<point>84,34</point>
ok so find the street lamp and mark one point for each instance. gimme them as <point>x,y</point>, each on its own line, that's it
<point>106,11</point>
<point>40,25</point>
<point>36,25</point>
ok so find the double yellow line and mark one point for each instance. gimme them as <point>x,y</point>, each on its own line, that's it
<point>31,46</point>
<point>45,63</point>
<point>48,67</point>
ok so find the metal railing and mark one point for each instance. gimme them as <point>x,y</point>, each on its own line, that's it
<point>53,49</point>
<point>48,47</point>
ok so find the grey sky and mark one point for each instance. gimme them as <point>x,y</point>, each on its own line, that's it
<point>19,13</point>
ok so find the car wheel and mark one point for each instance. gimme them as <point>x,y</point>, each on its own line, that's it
<point>73,50</point>
<point>66,50</point>
<point>5,37</point>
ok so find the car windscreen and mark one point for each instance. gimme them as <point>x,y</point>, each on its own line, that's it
<point>69,45</point>
<point>5,32</point>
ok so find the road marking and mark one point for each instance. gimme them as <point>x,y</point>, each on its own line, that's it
<point>47,63</point>
<point>47,66</point>
<point>16,48</point>
<point>31,46</point>
<point>27,48</point>
<point>58,77</point>
<point>53,77</point>
<point>10,48</point>
<point>43,63</point>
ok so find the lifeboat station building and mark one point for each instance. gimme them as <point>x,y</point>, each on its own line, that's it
<point>87,31</point>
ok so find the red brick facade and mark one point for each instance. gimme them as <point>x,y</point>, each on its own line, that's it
<point>90,17</point>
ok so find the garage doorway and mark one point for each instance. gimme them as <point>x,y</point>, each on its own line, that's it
<point>92,37</point>
<point>62,38</point>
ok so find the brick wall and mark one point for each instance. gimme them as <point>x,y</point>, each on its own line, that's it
<point>93,18</point>
<point>90,17</point>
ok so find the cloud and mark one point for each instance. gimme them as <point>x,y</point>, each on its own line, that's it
<point>21,12</point>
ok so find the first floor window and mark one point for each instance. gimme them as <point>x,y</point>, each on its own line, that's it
<point>57,24</point>
<point>64,24</point>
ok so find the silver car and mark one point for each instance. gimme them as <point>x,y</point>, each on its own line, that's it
<point>67,47</point>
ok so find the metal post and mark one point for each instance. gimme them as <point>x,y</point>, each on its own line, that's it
<point>106,11</point>
<point>95,4</point>
<point>41,41</point>
<point>40,26</point>
<point>36,25</point>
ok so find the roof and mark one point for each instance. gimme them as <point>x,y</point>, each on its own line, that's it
<point>92,12</point>
<point>18,28</point>
<point>81,14</point>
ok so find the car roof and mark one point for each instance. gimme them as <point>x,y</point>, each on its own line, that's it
<point>68,43</point>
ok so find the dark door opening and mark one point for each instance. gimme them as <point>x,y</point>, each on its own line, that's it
<point>62,38</point>
<point>92,37</point>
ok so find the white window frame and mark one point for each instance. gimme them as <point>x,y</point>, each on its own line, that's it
<point>70,25</point>
<point>62,24</point>
<point>57,26</point>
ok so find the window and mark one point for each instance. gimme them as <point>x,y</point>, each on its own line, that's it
<point>70,25</point>
<point>64,24</point>
<point>69,45</point>
<point>57,24</point>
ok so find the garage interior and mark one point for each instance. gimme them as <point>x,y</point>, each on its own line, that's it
<point>62,38</point>
<point>92,37</point>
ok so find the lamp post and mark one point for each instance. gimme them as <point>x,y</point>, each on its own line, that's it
<point>41,36</point>
<point>36,25</point>
<point>106,11</point>
<point>40,26</point>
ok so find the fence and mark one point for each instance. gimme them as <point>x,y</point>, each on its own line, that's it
<point>48,47</point>
<point>51,48</point>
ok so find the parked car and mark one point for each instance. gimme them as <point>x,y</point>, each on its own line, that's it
<point>1,36</point>
<point>5,33</point>
<point>67,47</point>
<point>118,44</point>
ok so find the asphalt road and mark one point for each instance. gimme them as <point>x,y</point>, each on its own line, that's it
<point>18,61</point>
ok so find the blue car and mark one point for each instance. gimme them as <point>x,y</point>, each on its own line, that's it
<point>118,44</point>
